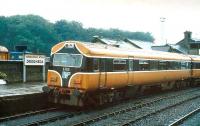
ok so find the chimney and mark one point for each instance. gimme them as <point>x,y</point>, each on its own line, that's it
<point>187,35</point>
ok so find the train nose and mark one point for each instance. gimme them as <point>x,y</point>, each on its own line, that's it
<point>54,78</point>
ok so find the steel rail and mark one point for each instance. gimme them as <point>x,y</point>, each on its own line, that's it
<point>184,118</point>
<point>47,120</point>
<point>158,111</point>
<point>106,115</point>
<point>26,114</point>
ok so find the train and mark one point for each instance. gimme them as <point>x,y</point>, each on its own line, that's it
<point>82,73</point>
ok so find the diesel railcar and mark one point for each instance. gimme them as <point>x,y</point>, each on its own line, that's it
<point>88,73</point>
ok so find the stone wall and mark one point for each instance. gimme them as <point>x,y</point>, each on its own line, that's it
<point>14,71</point>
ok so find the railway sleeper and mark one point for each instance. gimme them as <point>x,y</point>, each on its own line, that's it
<point>103,96</point>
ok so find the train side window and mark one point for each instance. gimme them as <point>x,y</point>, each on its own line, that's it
<point>96,65</point>
<point>130,65</point>
<point>109,65</point>
<point>196,65</point>
<point>102,65</point>
<point>136,65</point>
<point>89,65</point>
<point>189,65</point>
<point>153,65</point>
<point>119,64</point>
<point>177,65</point>
<point>162,65</point>
<point>171,65</point>
<point>183,65</point>
<point>143,65</point>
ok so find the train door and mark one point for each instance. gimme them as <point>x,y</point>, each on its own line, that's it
<point>130,70</point>
<point>102,73</point>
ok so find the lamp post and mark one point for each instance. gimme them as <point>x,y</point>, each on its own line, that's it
<point>162,35</point>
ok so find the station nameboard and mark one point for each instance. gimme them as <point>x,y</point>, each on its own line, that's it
<point>34,60</point>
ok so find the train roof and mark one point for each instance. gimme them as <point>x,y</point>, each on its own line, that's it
<point>101,50</point>
<point>195,58</point>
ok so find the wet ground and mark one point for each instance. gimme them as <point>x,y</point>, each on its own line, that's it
<point>21,97</point>
<point>20,89</point>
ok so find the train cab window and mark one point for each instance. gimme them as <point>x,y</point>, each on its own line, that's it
<point>67,60</point>
<point>162,65</point>
<point>96,65</point>
<point>153,65</point>
<point>143,65</point>
<point>119,65</point>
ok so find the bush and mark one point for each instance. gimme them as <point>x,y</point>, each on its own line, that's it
<point>3,75</point>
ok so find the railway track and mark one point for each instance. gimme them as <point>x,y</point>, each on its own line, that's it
<point>2,119</point>
<point>47,120</point>
<point>132,108</point>
<point>27,119</point>
<point>184,118</point>
<point>31,119</point>
<point>127,123</point>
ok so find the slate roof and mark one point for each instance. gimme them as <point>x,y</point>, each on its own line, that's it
<point>116,43</point>
<point>141,44</point>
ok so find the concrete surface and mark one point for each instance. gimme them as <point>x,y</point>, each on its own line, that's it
<point>20,89</point>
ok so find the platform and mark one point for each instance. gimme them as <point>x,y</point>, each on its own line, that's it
<point>20,89</point>
<point>22,97</point>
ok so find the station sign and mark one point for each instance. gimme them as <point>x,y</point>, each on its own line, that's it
<point>34,60</point>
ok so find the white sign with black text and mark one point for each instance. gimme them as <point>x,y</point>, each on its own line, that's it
<point>34,60</point>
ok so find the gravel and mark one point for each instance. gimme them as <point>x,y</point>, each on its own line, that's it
<point>125,117</point>
<point>193,121</point>
<point>25,120</point>
<point>168,116</point>
<point>118,119</point>
<point>114,120</point>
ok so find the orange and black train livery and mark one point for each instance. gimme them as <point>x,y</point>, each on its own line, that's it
<point>90,73</point>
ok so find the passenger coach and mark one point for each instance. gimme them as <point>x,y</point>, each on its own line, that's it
<point>88,73</point>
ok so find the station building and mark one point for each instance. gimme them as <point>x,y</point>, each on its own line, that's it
<point>140,44</point>
<point>126,43</point>
<point>188,45</point>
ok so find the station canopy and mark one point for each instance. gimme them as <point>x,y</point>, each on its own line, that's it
<point>3,49</point>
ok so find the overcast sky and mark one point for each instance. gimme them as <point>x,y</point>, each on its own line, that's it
<point>131,15</point>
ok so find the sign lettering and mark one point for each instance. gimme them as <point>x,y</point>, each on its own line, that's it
<point>38,60</point>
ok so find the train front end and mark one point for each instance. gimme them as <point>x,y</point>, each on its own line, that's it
<point>65,61</point>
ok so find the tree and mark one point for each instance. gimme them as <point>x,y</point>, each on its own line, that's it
<point>40,35</point>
